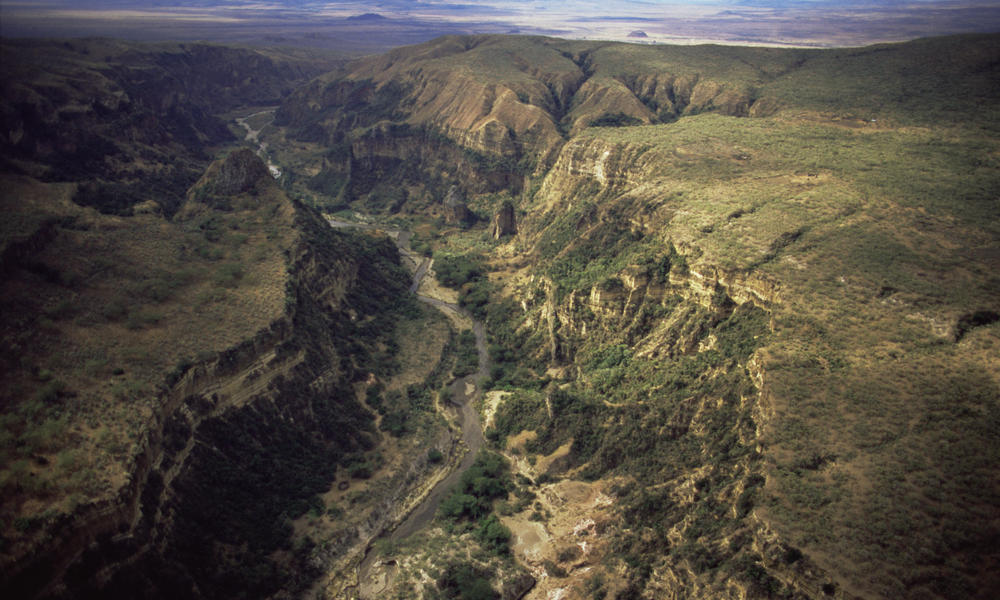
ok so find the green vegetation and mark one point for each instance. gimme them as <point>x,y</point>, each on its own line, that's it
<point>467,354</point>
<point>619,119</point>
<point>92,112</point>
<point>789,221</point>
<point>401,410</point>
<point>466,582</point>
<point>471,501</point>
<point>493,535</point>
<point>83,392</point>
<point>932,169</point>
<point>467,274</point>
<point>228,491</point>
<point>578,256</point>
<point>456,271</point>
<point>519,412</point>
<point>119,198</point>
<point>606,416</point>
<point>626,392</point>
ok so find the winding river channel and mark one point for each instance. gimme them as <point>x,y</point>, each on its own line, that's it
<point>253,138</point>
<point>464,392</point>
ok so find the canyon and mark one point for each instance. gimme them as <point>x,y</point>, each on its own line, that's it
<point>726,317</point>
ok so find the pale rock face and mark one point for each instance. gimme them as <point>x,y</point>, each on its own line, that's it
<point>599,168</point>
<point>504,222</point>
<point>456,211</point>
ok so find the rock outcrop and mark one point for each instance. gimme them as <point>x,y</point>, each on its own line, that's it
<point>233,182</point>
<point>518,587</point>
<point>238,173</point>
<point>504,221</point>
<point>456,211</point>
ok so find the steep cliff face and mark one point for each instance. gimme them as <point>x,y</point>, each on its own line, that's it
<point>733,286</point>
<point>398,168</point>
<point>456,210</point>
<point>675,292</point>
<point>232,464</point>
<point>504,221</point>
<point>656,400</point>
<point>512,96</point>
<point>238,443</point>
<point>436,86</point>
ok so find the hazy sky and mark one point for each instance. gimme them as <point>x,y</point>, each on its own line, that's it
<point>798,22</point>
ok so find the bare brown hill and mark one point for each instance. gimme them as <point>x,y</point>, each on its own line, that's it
<point>487,110</point>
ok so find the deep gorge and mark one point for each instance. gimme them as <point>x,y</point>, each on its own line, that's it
<point>739,310</point>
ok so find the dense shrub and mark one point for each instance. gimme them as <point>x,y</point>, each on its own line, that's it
<point>485,481</point>
<point>467,274</point>
<point>456,270</point>
<point>468,356</point>
<point>466,582</point>
<point>618,119</point>
<point>493,535</point>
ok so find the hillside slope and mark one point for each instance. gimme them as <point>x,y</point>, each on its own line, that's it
<point>156,367</point>
<point>489,110</point>
<point>186,350</point>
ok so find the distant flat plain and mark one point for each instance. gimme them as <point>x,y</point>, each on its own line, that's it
<point>801,24</point>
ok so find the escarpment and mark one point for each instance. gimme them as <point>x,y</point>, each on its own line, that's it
<point>653,390</point>
<point>647,352</point>
<point>673,287</point>
<point>237,443</point>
